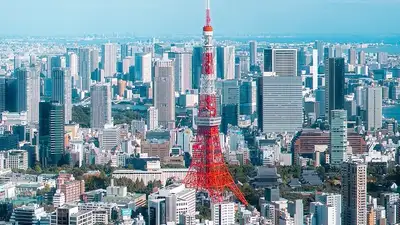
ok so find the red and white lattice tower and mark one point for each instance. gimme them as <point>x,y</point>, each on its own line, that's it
<point>208,171</point>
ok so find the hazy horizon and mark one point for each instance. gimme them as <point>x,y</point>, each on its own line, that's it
<point>186,17</point>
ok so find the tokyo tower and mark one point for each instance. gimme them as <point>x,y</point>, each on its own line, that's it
<point>208,171</point>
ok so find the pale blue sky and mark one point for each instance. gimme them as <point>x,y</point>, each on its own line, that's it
<point>229,17</point>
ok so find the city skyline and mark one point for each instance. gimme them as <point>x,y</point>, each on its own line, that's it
<point>143,17</point>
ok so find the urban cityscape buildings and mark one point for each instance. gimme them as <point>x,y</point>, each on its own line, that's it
<point>126,128</point>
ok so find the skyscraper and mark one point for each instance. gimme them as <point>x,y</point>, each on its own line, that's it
<point>268,55</point>
<point>196,66</point>
<point>226,62</point>
<point>374,108</point>
<point>11,88</point>
<point>280,104</point>
<point>84,68</point>
<point>100,108</point>
<point>334,85</point>
<point>164,92</point>
<point>338,137</point>
<point>152,118</point>
<point>315,69</point>
<point>94,65</point>
<point>28,92</point>
<point>62,91</point>
<point>143,67</point>
<point>230,103</point>
<point>109,59</point>
<point>281,61</point>
<point>33,115</point>
<point>73,67</point>
<point>361,58</point>
<point>354,193</point>
<point>2,94</point>
<point>338,51</point>
<point>51,133</point>
<point>23,89</point>
<point>17,62</point>
<point>125,51</point>
<point>183,71</point>
<point>319,45</point>
<point>253,53</point>
<point>352,56</point>
<point>248,97</point>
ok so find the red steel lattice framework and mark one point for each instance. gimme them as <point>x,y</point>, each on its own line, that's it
<point>208,171</point>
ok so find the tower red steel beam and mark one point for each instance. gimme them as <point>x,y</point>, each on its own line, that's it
<point>208,171</point>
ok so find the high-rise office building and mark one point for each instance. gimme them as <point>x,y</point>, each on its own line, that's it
<point>268,55</point>
<point>62,91</point>
<point>164,92</point>
<point>196,66</point>
<point>126,51</point>
<point>315,69</point>
<point>279,103</point>
<point>152,118</point>
<point>243,61</point>
<point>226,62</point>
<point>352,56</point>
<point>23,89</point>
<point>183,71</point>
<point>360,96</point>
<point>374,108</point>
<point>281,61</point>
<point>100,108</point>
<point>361,58</point>
<point>32,60</point>
<point>94,65</point>
<point>143,68</point>
<point>2,94</point>
<point>338,137</point>
<point>17,62</point>
<point>354,193</point>
<point>73,68</point>
<point>253,53</point>
<point>319,45</point>
<point>51,133</point>
<point>338,51</point>
<point>27,92</point>
<point>230,103</point>
<point>334,85</point>
<point>223,213</point>
<point>109,59</point>
<point>11,88</point>
<point>320,100</point>
<point>84,68</point>
<point>248,97</point>
<point>33,115</point>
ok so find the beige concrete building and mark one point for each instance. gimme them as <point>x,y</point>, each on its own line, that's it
<point>164,92</point>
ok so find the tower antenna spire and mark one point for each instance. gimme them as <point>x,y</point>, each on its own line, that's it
<point>208,171</point>
<point>208,16</point>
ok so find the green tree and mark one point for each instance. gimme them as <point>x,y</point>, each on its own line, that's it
<point>37,168</point>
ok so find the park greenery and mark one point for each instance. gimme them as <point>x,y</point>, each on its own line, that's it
<point>81,116</point>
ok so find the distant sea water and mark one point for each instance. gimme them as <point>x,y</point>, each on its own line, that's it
<point>392,112</point>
